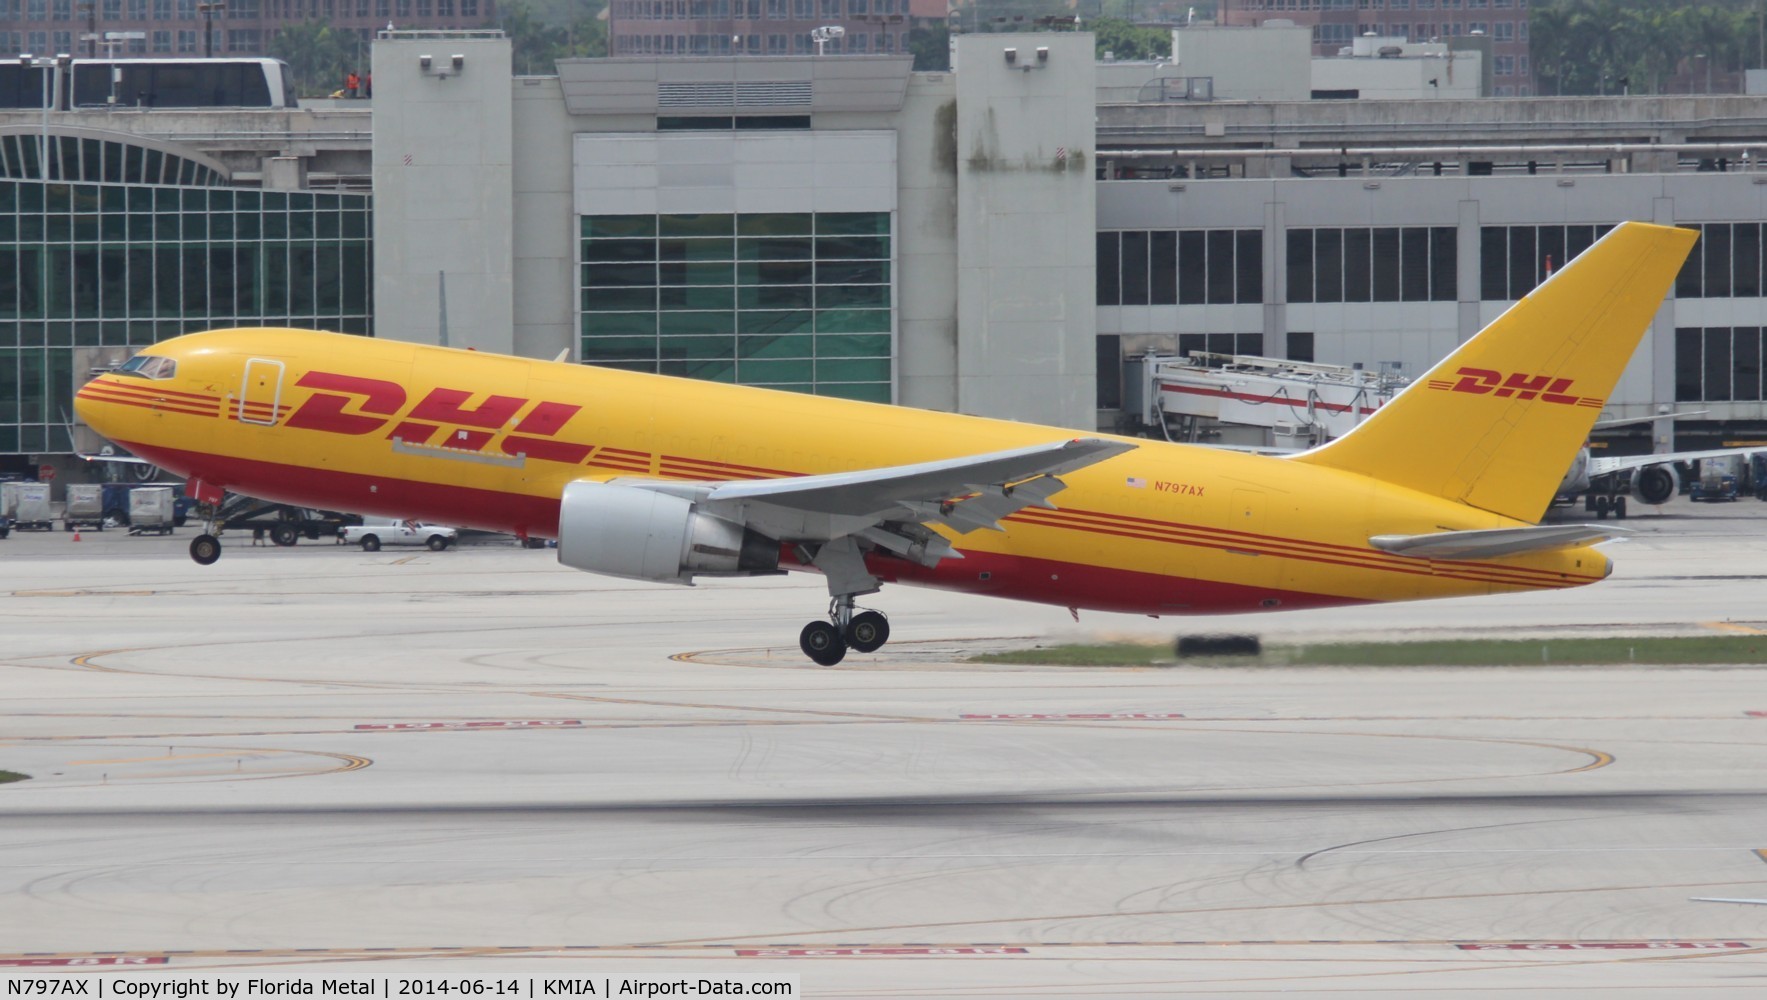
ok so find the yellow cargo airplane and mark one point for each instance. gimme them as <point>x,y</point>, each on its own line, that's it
<point>665,479</point>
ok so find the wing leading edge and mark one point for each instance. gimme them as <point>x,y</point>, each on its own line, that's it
<point>833,518</point>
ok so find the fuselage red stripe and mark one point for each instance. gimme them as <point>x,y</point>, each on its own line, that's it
<point>1420,569</point>
<point>728,466</point>
<point>1250,537</point>
<point>149,388</point>
<point>169,406</point>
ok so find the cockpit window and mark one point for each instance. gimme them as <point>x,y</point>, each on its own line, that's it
<point>149,366</point>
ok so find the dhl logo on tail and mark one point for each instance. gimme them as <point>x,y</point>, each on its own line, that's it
<point>1480,381</point>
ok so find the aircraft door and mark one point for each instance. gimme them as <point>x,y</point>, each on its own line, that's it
<point>260,392</point>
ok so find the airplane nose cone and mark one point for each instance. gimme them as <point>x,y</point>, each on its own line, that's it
<point>88,410</point>
<point>1608,569</point>
<point>90,402</point>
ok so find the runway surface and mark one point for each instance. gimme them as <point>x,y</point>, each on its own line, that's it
<point>318,757</point>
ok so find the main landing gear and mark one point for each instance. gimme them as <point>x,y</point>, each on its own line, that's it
<point>843,564</point>
<point>827,642</point>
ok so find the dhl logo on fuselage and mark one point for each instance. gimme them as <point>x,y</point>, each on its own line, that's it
<point>353,404</point>
<point>1483,381</point>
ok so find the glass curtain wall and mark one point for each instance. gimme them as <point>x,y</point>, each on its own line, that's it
<point>789,301</point>
<point>90,265</point>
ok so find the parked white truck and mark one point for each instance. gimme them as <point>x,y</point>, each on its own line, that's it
<point>371,535</point>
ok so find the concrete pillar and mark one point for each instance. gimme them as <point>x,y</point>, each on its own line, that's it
<point>1026,228</point>
<point>443,189</point>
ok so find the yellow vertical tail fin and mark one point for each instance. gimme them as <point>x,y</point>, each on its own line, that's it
<point>1497,423</point>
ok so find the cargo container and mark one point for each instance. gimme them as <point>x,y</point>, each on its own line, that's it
<point>32,510</point>
<point>152,509</point>
<point>84,508</point>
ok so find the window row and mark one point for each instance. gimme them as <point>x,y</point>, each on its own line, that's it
<point>692,297</point>
<point>778,323</point>
<point>1717,364</point>
<point>596,227</point>
<point>1184,267</point>
<point>187,227</point>
<point>796,43</point>
<point>747,10</point>
<point>142,332</point>
<point>93,161</point>
<point>725,251</point>
<point>31,196</point>
<point>1725,262</point>
<point>191,283</point>
<point>728,273</point>
<point>1514,259</point>
<point>1384,264</point>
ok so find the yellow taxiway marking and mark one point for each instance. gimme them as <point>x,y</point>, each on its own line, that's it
<point>180,756</point>
<point>1734,627</point>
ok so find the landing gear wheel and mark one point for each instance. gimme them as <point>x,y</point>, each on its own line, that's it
<point>1619,507</point>
<point>867,632</point>
<point>436,543</point>
<point>205,549</point>
<point>1601,507</point>
<point>370,544</point>
<point>822,642</point>
<point>284,534</point>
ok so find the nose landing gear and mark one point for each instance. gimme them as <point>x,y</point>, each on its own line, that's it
<point>827,642</point>
<point>206,547</point>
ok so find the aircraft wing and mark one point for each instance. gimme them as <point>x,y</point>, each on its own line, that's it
<point>895,507</point>
<point>1619,463</point>
<point>875,492</point>
<point>1492,543</point>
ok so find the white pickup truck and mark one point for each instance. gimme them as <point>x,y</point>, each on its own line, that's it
<point>372,535</point>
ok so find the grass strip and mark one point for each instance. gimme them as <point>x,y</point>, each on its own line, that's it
<point>6,776</point>
<point>1648,650</point>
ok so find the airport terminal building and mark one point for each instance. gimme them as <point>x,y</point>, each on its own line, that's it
<point>993,240</point>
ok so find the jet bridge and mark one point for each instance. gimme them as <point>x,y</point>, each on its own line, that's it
<point>1249,401</point>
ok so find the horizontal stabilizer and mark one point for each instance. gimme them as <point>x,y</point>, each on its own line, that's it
<point>1492,543</point>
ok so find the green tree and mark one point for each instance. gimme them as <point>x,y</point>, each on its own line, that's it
<point>931,46</point>
<point>317,57</point>
<point>1130,42</point>
<point>541,32</point>
<point>1597,46</point>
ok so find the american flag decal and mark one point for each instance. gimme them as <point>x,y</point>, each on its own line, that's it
<point>1136,482</point>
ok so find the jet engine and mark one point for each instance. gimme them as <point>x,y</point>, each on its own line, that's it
<point>642,534</point>
<point>1656,484</point>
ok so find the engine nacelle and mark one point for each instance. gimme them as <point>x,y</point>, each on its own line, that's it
<point>1656,484</point>
<point>641,534</point>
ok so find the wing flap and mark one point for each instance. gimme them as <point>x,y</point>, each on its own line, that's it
<point>1492,543</point>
